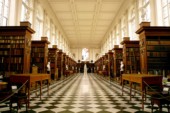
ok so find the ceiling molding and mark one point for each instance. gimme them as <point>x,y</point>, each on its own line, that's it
<point>85,22</point>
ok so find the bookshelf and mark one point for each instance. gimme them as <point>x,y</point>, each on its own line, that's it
<point>117,55</point>
<point>98,66</point>
<point>73,64</point>
<point>131,56</point>
<point>154,49</point>
<point>39,54</point>
<point>65,64</point>
<point>15,47</point>
<point>105,65</point>
<point>52,58</point>
<point>91,65</point>
<point>60,63</point>
<point>110,64</point>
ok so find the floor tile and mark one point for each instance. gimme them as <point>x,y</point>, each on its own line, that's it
<point>85,94</point>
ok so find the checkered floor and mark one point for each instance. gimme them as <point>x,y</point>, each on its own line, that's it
<point>84,94</point>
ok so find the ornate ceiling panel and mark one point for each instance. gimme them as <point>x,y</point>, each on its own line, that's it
<point>85,22</point>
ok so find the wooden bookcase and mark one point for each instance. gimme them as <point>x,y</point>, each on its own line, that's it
<point>99,65</point>
<point>117,55</point>
<point>52,58</point>
<point>131,56</point>
<point>90,66</point>
<point>154,49</point>
<point>110,64</point>
<point>105,64</point>
<point>64,63</point>
<point>39,54</point>
<point>60,63</point>
<point>15,48</point>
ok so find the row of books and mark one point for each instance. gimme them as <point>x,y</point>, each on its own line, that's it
<point>132,49</point>
<point>12,41</point>
<point>37,54</point>
<point>13,68</point>
<point>11,37</point>
<point>129,54</point>
<point>37,60</point>
<point>11,46</point>
<point>14,60</point>
<point>158,48</point>
<point>158,42</point>
<point>158,54</point>
<point>157,59</point>
<point>158,65</point>
<point>35,50</point>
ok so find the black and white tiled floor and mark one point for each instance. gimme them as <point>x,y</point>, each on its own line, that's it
<point>85,94</point>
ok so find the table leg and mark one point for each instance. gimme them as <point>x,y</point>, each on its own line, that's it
<point>134,89</point>
<point>142,92</point>
<point>29,96</point>
<point>122,86</point>
<point>130,90</point>
<point>40,88</point>
<point>48,86</point>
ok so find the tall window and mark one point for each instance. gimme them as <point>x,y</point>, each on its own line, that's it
<point>27,9</point>
<point>144,9</point>
<point>56,36</point>
<point>166,12</point>
<point>47,26</point>
<point>132,24</point>
<point>114,37</point>
<point>123,27</point>
<point>52,38</point>
<point>4,12</point>
<point>38,22</point>
<point>110,41</point>
<point>85,54</point>
<point>118,39</point>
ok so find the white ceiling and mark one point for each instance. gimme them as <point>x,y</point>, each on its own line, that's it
<point>85,22</point>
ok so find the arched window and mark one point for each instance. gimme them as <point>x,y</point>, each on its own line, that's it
<point>144,9</point>
<point>132,24</point>
<point>38,22</point>
<point>118,39</point>
<point>85,54</point>
<point>47,26</point>
<point>27,9</point>
<point>123,27</point>
<point>4,12</point>
<point>166,12</point>
<point>52,38</point>
<point>57,37</point>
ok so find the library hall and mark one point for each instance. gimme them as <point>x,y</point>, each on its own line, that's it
<point>84,56</point>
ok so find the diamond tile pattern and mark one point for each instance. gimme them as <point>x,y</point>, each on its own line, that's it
<point>84,94</point>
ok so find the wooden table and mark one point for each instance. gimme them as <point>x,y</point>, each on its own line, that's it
<point>32,78</point>
<point>141,79</point>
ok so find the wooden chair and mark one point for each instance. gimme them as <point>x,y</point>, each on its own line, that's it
<point>20,96</point>
<point>160,100</point>
<point>158,95</point>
